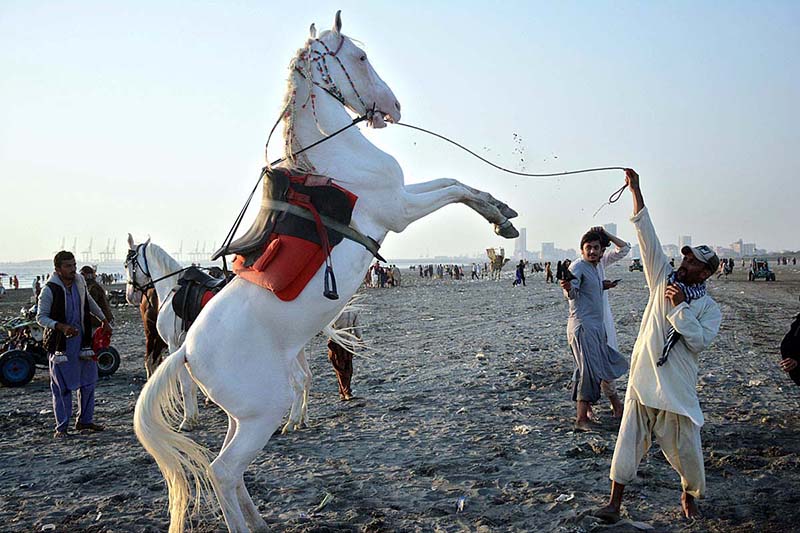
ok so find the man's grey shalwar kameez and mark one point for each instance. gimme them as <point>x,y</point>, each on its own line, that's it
<point>595,360</point>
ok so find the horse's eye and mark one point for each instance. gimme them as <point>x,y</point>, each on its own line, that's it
<point>363,58</point>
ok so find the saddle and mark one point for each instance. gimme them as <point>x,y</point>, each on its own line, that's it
<point>195,289</point>
<point>293,234</point>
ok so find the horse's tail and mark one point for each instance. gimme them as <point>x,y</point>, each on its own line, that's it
<point>346,337</point>
<point>182,461</point>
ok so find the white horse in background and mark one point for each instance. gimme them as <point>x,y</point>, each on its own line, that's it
<point>242,347</point>
<point>147,262</point>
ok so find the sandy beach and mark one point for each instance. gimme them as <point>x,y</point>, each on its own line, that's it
<point>463,422</point>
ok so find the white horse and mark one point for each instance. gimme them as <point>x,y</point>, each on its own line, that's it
<point>242,346</point>
<point>146,263</point>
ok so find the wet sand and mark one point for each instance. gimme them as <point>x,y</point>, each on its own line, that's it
<point>463,422</point>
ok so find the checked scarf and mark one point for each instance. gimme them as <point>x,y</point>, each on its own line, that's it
<point>692,292</point>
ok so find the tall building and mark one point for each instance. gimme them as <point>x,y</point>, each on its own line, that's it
<point>610,227</point>
<point>684,240</point>
<point>521,244</point>
<point>548,250</point>
<point>636,252</point>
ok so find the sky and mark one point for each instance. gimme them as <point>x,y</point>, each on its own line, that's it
<point>150,117</point>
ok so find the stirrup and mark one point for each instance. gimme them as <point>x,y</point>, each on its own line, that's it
<point>330,291</point>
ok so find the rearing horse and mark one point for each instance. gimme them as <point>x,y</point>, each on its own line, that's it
<point>241,347</point>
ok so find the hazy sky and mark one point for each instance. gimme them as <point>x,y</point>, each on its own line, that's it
<point>151,117</point>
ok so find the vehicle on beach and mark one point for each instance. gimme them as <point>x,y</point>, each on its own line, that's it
<point>636,264</point>
<point>116,297</point>
<point>759,268</point>
<point>21,351</point>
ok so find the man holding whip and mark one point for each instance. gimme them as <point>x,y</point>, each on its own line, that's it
<point>679,322</point>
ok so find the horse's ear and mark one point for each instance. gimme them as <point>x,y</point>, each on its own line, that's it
<point>130,241</point>
<point>312,31</point>
<point>148,240</point>
<point>337,22</point>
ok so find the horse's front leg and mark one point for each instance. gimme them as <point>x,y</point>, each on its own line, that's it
<point>416,206</point>
<point>433,185</point>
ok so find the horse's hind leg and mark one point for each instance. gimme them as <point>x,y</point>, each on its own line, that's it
<point>307,376</point>
<point>189,393</point>
<point>300,380</point>
<point>249,509</point>
<point>227,470</point>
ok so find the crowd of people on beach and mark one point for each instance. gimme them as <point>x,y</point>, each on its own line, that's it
<point>379,276</point>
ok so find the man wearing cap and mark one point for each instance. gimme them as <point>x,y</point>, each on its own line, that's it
<point>98,294</point>
<point>679,322</point>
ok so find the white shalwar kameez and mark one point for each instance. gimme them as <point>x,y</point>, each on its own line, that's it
<point>663,400</point>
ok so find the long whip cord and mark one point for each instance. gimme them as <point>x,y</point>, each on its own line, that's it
<point>615,196</point>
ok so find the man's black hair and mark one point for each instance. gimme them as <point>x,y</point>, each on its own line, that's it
<point>591,236</point>
<point>62,256</point>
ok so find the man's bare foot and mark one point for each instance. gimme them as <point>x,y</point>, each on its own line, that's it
<point>689,505</point>
<point>608,514</point>
<point>583,425</point>
<point>617,407</point>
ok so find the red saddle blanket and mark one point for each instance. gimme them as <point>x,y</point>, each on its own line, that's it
<point>295,250</point>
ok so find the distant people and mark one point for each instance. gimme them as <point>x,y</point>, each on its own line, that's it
<point>520,274</point>
<point>36,286</point>
<point>475,271</point>
<point>548,272</point>
<point>98,294</point>
<point>559,271</point>
<point>65,309</point>
<point>2,288</point>
<point>679,322</point>
<point>340,356</point>
<point>16,282</point>
<point>790,351</point>
<point>595,360</point>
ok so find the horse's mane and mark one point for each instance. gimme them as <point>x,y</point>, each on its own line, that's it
<point>290,144</point>
<point>169,262</point>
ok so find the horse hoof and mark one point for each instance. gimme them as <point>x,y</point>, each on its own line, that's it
<point>506,230</point>
<point>508,212</point>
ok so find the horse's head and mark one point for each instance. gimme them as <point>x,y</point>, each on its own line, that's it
<point>137,272</point>
<point>335,63</point>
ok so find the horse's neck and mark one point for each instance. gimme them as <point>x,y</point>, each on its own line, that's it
<point>162,264</point>
<point>341,155</point>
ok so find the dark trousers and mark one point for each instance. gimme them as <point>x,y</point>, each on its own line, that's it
<point>62,405</point>
<point>342,361</point>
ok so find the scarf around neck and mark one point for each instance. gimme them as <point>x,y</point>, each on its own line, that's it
<point>692,292</point>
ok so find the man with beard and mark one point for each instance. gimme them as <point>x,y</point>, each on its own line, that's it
<point>65,309</point>
<point>679,322</point>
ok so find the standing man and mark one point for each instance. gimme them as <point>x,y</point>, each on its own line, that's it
<point>65,307</point>
<point>98,294</point>
<point>679,322</point>
<point>341,357</point>
<point>595,360</point>
<point>36,287</point>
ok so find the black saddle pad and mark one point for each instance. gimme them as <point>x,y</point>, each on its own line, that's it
<point>328,200</point>
<point>193,286</point>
